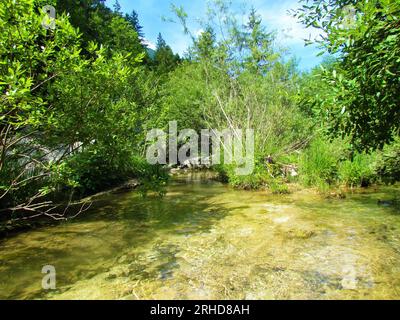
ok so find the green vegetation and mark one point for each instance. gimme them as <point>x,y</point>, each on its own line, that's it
<point>364,81</point>
<point>72,106</point>
<point>77,100</point>
<point>324,128</point>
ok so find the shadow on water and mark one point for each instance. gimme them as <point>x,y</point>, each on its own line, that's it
<point>127,228</point>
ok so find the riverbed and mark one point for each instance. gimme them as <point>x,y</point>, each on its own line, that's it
<point>205,240</point>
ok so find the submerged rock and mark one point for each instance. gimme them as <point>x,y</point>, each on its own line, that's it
<point>195,163</point>
<point>281,220</point>
<point>389,203</point>
<point>245,232</point>
<point>127,186</point>
<point>300,234</point>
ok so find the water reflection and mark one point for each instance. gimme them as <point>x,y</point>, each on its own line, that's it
<point>204,240</point>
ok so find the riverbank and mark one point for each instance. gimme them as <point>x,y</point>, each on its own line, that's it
<point>9,228</point>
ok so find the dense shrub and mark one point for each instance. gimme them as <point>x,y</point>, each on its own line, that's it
<point>359,171</point>
<point>319,163</point>
<point>388,163</point>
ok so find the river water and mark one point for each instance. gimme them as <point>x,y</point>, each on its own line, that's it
<point>204,240</point>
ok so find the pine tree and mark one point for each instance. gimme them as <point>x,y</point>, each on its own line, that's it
<point>258,43</point>
<point>117,7</point>
<point>133,19</point>
<point>204,45</point>
<point>91,17</point>
<point>160,42</point>
<point>164,58</point>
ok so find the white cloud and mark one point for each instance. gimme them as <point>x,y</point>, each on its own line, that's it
<point>199,32</point>
<point>149,44</point>
<point>290,30</point>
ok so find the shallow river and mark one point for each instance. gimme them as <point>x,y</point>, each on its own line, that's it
<point>204,240</point>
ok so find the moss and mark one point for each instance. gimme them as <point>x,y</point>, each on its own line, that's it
<point>300,234</point>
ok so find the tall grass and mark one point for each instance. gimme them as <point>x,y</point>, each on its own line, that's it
<point>325,164</point>
<point>322,164</point>
<point>359,171</point>
<point>318,163</point>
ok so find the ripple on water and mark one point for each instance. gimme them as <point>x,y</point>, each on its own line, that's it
<point>207,241</point>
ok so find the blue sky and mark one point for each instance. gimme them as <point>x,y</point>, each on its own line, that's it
<point>273,12</point>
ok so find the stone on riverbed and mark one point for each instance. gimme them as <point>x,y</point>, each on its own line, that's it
<point>281,220</point>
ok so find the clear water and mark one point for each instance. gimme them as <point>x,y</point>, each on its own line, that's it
<point>204,240</point>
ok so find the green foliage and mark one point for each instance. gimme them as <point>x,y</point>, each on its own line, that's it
<point>91,17</point>
<point>153,177</point>
<point>279,187</point>
<point>319,163</point>
<point>31,57</point>
<point>164,58</point>
<point>327,164</point>
<point>259,43</point>
<point>237,79</point>
<point>185,96</point>
<point>93,170</point>
<point>358,172</point>
<point>204,46</point>
<point>258,179</point>
<point>77,101</point>
<point>99,24</point>
<point>364,99</point>
<point>264,177</point>
<point>133,19</point>
<point>388,163</point>
<point>72,113</point>
<point>315,95</point>
<point>355,94</point>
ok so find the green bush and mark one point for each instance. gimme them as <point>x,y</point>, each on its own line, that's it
<point>258,179</point>
<point>94,170</point>
<point>264,176</point>
<point>152,177</point>
<point>279,187</point>
<point>359,172</point>
<point>325,164</point>
<point>360,96</point>
<point>388,163</point>
<point>319,163</point>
